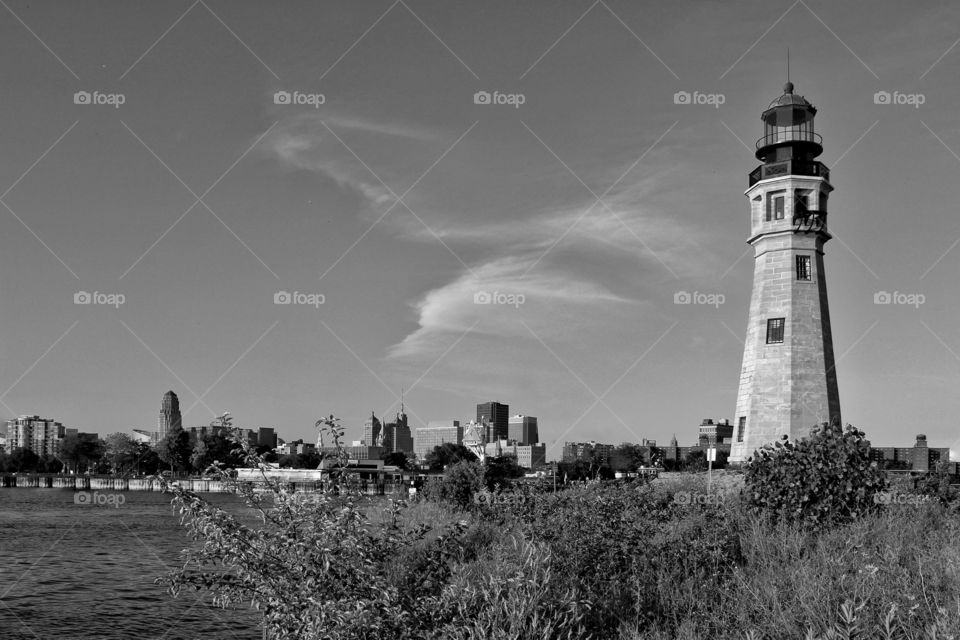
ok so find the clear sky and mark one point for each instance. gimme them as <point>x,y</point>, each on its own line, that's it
<point>585,200</point>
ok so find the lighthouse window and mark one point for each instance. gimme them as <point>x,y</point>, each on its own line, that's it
<point>740,428</point>
<point>775,330</point>
<point>803,268</point>
<point>775,207</point>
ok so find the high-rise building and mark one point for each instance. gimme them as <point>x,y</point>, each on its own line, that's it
<point>397,435</point>
<point>497,418</point>
<point>788,380</point>
<point>40,435</point>
<point>371,430</point>
<point>170,418</point>
<point>388,437</point>
<point>436,433</point>
<point>523,430</point>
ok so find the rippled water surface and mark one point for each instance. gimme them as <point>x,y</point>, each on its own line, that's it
<point>83,571</point>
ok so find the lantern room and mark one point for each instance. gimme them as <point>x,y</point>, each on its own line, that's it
<point>788,132</point>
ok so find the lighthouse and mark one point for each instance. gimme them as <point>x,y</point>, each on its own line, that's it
<point>788,380</point>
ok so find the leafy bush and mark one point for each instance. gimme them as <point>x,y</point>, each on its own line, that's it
<point>936,484</point>
<point>825,478</point>
<point>460,481</point>
<point>317,567</point>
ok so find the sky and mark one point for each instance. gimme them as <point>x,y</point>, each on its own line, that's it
<point>467,201</point>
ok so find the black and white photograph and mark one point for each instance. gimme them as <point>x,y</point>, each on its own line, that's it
<point>479,319</point>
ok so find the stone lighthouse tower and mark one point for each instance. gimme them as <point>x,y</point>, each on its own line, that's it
<point>788,382</point>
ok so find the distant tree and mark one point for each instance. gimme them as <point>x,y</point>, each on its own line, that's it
<point>81,452</point>
<point>310,459</point>
<point>49,464</point>
<point>696,461</point>
<point>174,450</point>
<point>221,448</point>
<point>721,461</point>
<point>120,451</point>
<point>584,469</point>
<point>23,460</point>
<point>397,459</point>
<point>289,461</point>
<point>147,460</point>
<point>628,457</point>
<point>500,471</point>
<point>200,456</point>
<point>448,453</point>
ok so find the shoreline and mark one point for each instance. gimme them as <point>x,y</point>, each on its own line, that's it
<point>196,485</point>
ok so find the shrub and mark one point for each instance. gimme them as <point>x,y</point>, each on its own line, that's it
<point>512,593</point>
<point>316,567</point>
<point>825,478</point>
<point>458,485</point>
<point>936,484</point>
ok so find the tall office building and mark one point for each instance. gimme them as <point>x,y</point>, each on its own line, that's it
<point>397,435</point>
<point>523,430</point>
<point>497,418</point>
<point>436,433</point>
<point>170,418</point>
<point>372,431</point>
<point>388,436</point>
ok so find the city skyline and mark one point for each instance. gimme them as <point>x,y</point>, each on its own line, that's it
<point>288,215</point>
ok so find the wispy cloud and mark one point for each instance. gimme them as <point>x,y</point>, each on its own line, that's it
<point>303,142</point>
<point>499,295</point>
<point>575,264</point>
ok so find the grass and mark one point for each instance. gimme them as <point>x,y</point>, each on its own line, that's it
<point>894,575</point>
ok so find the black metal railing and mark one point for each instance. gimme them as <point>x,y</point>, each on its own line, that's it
<point>784,137</point>
<point>789,167</point>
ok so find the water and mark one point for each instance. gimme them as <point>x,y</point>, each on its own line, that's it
<point>71,571</point>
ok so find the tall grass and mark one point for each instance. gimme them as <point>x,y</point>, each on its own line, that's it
<point>891,575</point>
